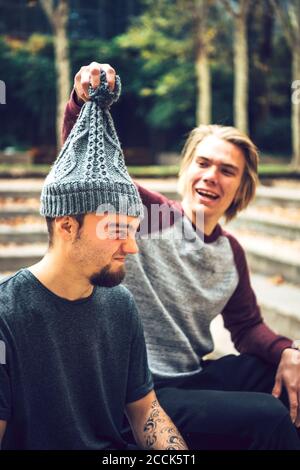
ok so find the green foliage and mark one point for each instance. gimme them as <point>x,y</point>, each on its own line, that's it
<point>155,58</point>
<point>28,71</point>
<point>85,51</point>
<point>275,136</point>
<point>160,47</point>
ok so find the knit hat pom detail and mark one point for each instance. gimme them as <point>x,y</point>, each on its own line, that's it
<point>103,95</point>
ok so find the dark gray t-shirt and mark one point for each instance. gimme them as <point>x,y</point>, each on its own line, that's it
<point>71,366</point>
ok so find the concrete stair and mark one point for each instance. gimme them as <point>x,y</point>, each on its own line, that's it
<point>23,233</point>
<point>268,224</point>
<point>284,197</point>
<point>16,257</point>
<point>280,306</point>
<point>24,188</point>
<point>271,257</point>
<point>11,211</point>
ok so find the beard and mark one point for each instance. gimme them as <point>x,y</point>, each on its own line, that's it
<point>108,278</point>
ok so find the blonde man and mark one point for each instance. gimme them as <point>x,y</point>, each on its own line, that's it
<point>187,272</point>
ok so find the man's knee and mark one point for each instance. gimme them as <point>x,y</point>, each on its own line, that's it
<point>268,412</point>
<point>272,427</point>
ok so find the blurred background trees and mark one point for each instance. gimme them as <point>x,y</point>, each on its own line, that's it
<point>239,11</point>
<point>182,62</point>
<point>288,13</point>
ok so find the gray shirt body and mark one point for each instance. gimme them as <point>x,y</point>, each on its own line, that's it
<point>180,285</point>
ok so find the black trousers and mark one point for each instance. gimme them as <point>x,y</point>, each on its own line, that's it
<point>229,405</point>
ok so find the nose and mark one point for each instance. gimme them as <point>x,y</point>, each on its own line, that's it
<point>130,246</point>
<point>210,174</point>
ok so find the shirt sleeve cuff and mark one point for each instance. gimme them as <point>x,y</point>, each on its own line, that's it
<point>280,347</point>
<point>140,392</point>
<point>75,103</point>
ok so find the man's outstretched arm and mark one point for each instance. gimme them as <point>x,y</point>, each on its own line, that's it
<point>152,427</point>
<point>86,76</point>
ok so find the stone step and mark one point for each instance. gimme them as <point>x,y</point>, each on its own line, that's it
<point>271,256</point>
<point>15,257</point>
<point>11,211</point>
<point>12,157</point>
<point>268,224</point>
<point>280,305</point>
<point>23,233</point>
<point>284,197</point>
<point>16,188</point>
<point>280,309</point>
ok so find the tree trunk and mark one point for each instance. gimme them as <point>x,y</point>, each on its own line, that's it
<point>290,22</point>
<point>203,108</point>
<point>296,108</point>
<point>63,86</point>
<point>202,66</point>
<point>241,70</point>
<point>58,18</point>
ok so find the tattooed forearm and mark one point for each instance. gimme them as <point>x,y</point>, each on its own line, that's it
<point>160,432</point>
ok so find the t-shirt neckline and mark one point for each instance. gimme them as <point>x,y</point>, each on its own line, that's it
<point>29,275</point>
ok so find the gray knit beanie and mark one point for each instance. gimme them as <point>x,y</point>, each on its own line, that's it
<point>90,170</point>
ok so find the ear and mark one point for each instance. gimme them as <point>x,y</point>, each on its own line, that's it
<point>66,227</point>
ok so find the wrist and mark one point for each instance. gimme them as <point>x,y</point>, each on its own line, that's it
<point>291,354</point>
<point>286,351</point>
<point>78,101</point>
<point>294,346</point>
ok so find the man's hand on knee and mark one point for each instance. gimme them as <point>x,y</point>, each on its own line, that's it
<point>90,75</point>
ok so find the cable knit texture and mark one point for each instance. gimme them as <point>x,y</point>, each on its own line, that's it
<point>90,174</point>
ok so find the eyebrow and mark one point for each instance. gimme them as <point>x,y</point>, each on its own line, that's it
<point>226,165</point>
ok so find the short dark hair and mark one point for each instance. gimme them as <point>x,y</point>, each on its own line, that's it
<point>50,220</point>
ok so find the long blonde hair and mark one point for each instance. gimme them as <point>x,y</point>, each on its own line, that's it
<point>246,191</point>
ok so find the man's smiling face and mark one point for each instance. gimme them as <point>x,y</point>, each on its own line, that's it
<point>212,180</point>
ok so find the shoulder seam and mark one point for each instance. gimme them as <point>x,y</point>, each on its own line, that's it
<point>8,278</point>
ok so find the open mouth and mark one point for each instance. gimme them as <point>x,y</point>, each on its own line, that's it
<point>207,194</point>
